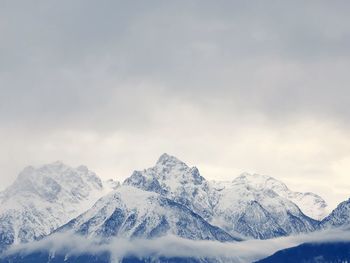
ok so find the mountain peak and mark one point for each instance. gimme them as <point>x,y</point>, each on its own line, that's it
<point>43,198</point>
<point>340,216</point>
<point>41,179</point>
<point>55,165</point>
<point>255,176</point>
<point>311,204</point>
<point>260,181</point>
<point>168,160</point>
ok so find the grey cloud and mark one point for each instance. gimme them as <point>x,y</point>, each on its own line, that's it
<point>227,84</point>
<point>79,62</point>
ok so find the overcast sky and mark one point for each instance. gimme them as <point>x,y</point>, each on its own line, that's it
<point>228,86</point>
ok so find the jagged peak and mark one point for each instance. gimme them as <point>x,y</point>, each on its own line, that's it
<point>57,170</point>
<point>55,164</point>
<point>34,170</point>
<point>340,216</point>
<point>260,181</point>
<point>169,160</point>
<point>255,176</point>
<point>30,168</point>
<point>344,203</point>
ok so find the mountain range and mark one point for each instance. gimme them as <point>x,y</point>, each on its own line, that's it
<point>143,215</point>
<point>254,206</point>
<point>169,198</point>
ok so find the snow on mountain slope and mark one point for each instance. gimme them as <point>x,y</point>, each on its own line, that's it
<point>130,212</point>
<point>42,199</point>
<point>177,181</point>
<point>340,216</point>
<point>253,205</point>
<point>311,204</point>
<point>170,197</point>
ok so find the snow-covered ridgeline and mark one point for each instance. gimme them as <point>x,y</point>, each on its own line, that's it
<point>253,205</point>
<point>43,199</point>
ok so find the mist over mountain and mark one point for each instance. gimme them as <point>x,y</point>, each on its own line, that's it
<point>210,131</point>
<point>168,199</point>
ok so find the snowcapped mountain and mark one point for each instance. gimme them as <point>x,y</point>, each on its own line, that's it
<point>169,198</point>
<point>252,205</point>
<point>310,204</point>
<point>130,212</point>
<point>43,199</point>
<point>175,180</point>
<point>339,217</point>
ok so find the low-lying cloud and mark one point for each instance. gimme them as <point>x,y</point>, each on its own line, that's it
<point>172,246</point>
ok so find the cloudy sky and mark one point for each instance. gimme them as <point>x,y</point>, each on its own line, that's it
<point>228,86</point>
